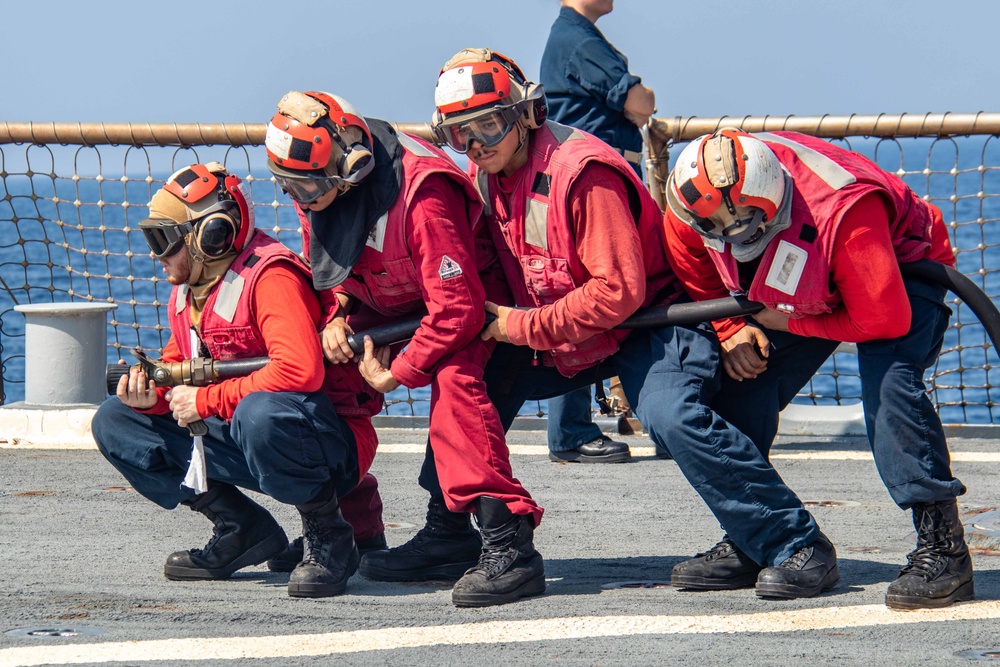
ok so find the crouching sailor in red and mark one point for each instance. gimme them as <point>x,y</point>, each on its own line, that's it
<point>296,430</point>
<point>817,233</point>
<point>390,228</point>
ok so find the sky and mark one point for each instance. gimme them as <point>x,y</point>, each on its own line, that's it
<point>213,62</point>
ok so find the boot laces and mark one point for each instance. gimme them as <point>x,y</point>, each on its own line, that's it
<point>415,542</point>
<point>927,562</point>
<point>720,550</point>
<point>216,534</point>
<point>314,540</point>
<point>437,527</point>
<point>930,558</point>
<point>494,561</point>
<point>797,560</point>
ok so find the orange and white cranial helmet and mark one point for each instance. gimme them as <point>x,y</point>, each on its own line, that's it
<point>727,186</point>
<point>481,95</point>
<point>315,142</point>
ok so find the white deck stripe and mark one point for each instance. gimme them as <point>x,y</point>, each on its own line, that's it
<point>499,632</point>
<point>831,455</point>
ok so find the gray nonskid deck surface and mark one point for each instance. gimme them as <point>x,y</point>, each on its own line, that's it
<point>80,552</point>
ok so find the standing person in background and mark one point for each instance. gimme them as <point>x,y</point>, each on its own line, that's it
<point>587,82</point>
<point>817,234</point>
<point>392,228</point>
<point>588,86</point>
<point>294,430</point>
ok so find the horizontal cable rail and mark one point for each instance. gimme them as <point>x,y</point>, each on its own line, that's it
<point>676,129</point>
<point>151,134</point>
<point>884,126</point>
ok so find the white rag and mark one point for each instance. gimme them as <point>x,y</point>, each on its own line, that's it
<point>197,473</point>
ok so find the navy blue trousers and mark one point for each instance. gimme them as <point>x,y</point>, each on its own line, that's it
<point>570,422</point>
<point>286,445</point>
<point>904,430</point>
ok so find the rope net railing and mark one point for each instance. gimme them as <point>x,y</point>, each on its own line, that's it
<point>72,195</point>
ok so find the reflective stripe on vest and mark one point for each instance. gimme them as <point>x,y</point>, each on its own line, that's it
<point>829,171</point>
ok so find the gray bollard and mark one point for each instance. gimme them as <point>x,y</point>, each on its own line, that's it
<point>65,353</point>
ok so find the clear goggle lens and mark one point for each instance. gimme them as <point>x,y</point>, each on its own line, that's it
<point>488,130</point>
<point>307,190</point>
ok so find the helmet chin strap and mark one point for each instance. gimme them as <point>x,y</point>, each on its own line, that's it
<point>742,230</point>
<point>197,262</point>
<point>522,135</point>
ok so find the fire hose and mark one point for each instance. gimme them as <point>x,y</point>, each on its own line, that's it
<point>200,372</point>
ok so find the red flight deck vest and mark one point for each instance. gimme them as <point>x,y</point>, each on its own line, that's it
<point>385,277</point>
<point>794,271</point>
<point>229,331</point>
<point>535,241</point>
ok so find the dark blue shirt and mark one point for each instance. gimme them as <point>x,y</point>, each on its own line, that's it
<point>586,81</point>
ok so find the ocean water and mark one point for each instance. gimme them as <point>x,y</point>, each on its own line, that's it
<point>67,239</point>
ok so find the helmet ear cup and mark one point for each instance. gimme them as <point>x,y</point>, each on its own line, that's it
<point>216,234</point>
<point>536,108</point>
<point>356,163</point>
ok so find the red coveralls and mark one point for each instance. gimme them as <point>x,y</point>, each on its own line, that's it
<point>426,254</point>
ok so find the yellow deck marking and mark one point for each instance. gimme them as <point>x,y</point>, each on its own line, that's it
<point>494,632</point>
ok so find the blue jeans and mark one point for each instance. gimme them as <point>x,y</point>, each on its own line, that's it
<point>570,423</point>
<point>286,445</point>
<point>671,376</point>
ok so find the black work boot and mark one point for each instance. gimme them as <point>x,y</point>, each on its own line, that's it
<point>939,571</point>
<point>292,555</point>
<point>806,573</point>
<point>602,450</point>
<point>442,550</point>
<point>509,567</point>
<point>723,567</point>
<point>330,556</point>
<point>245,534</point>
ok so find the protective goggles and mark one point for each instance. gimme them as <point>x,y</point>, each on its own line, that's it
<point>164,237</point>
<point>488,130</point>
<point>307,190</point>
<point>216,232</point>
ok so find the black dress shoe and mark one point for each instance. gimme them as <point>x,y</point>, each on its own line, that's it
<point>806,573</point>
<point>722,568</point>
<point>602,450</point>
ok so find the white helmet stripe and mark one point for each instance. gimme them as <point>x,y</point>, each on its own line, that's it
<point>760,179</point>
<point>454,85</point>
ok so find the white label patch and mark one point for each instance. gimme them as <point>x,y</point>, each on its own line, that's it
<point>786,268</point>
<point>376,237</point>
<point>278,141</point>
<point>449,268</point>
<point>453,86</point>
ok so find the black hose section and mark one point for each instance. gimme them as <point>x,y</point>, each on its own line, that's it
<point>681,314</point>
<point>387,334</point>
<point>678,314</point>
<point>962,287</point>
<point>659,316</point>
<point>238,367</point>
